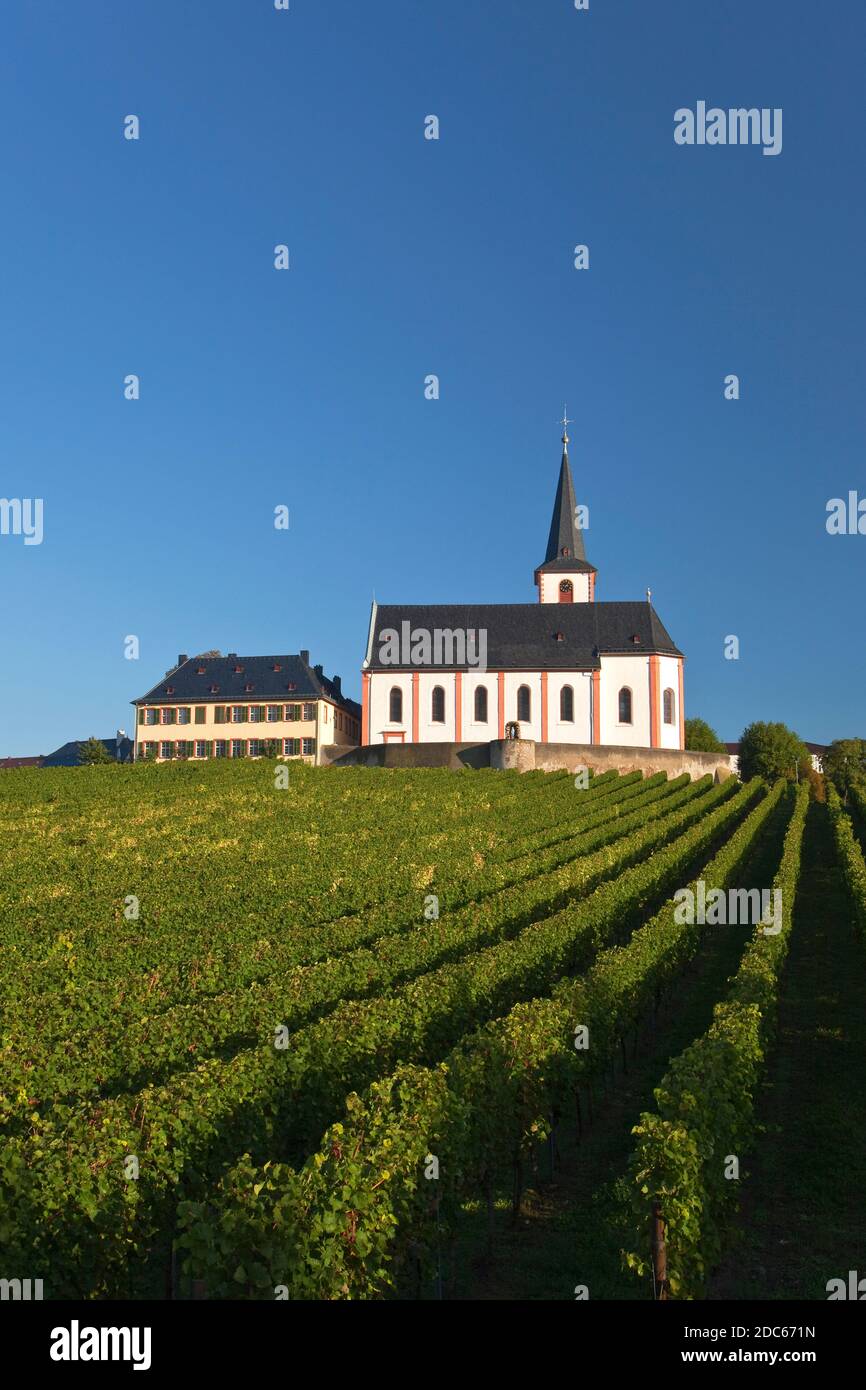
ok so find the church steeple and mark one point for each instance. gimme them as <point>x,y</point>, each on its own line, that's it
<point>565,576</point>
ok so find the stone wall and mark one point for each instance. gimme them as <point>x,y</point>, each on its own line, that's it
<point>524,755</point>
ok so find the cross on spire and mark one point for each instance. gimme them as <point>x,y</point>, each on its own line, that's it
<point>565,422</point>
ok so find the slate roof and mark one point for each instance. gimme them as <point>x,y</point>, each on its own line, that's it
<point>69,754</point>
<point>294,680</point>
<point>565,534</point>
<point>522,636</point>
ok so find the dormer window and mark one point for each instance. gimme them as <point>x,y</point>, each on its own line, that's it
<point>635,639</point>
<point>559,636</point>
<point>169,690</point>
<point>214,690</point>
<point>292,685</point>
<point>248,687</point>
<point>239,670</point>
<point>201,671</point>
<point>277,666</point>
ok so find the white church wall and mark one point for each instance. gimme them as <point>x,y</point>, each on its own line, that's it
<point>580,729</point>
<point>669,679</point>
<point>380,705</point>
<point>430,731</point>
<point>529,728</point>
<point>616,672</point>
<point>477,730</point>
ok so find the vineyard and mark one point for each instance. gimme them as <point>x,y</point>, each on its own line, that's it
<point>348,1038</point>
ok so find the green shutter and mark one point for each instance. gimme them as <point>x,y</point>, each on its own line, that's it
<point>172,715</point>
<point>200,714</point>
<point>141,716</point>
<point>263,713</point>
<point>219,714</point>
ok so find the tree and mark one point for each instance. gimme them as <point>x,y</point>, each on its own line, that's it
<point>770,751</point>
<point>93,751</point>
<point>700,738</point>
<point>845,763</point>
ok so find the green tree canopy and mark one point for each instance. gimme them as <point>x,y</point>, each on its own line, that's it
<point>770,751</point>
<point>701,738</point>
<point>93,750</point>
<point>845,762</point>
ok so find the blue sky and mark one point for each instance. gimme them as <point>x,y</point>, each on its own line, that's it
<point>410,257</point>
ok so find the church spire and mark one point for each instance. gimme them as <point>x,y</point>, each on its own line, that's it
<point>566,538</point>
<point>565,576</point>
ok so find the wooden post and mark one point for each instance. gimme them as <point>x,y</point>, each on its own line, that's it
<point>659,1256</point>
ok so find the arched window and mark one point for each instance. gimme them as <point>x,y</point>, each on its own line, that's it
<point>395,712</point>
<point>481,704</point>
<point>437,705</point>
<point>524,703</point>
<point>566,704</point>
<point>669,706</point>
<point>625,705</point>
<point>566,591</point>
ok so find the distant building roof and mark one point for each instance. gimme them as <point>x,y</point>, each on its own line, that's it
<point>22,762</point>
<point>244,679</point>
<point>69,754</point>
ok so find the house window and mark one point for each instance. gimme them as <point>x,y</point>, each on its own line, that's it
<point>183,716</point>
<point>275,713</point>
<point>566,591</point>
<point>625,705</point>
<point>200,714</point>
<point>481,704</point>
<point>166,716</point>
<point>165,750</point>
<point>669,707</point>
<point>239,714</point>
<point>151,716</point>
<point>395,705</point>
<point>309,712</point>
<point>437,705</point>
<point>255,714</point>
<point>254,748</point>
<point>291,747</point>
<point>293,713</point>
<point>200,748</point>
<point>309,747</point>
<point>237,748</point>
<point>524,703</point>
<point>219,748</point>
<point>566,704</point>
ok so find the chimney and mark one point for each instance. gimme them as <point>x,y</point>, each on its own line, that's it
<point>319,670</point>
<point>182,658</point>
<point>232,656</point>
<point>305,657</point>
<point>335,682</point>
<point>121,735</point>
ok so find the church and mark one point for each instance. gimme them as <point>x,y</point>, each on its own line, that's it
<point>567,669</point>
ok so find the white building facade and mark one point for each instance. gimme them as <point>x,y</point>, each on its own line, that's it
<point>566,669</point>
